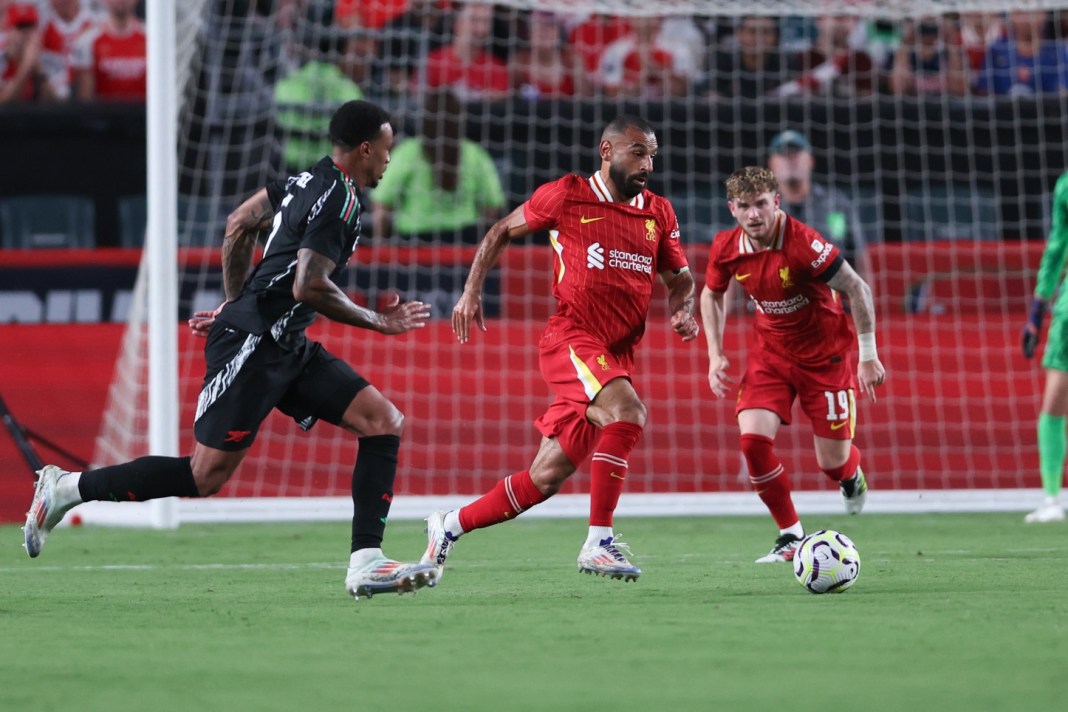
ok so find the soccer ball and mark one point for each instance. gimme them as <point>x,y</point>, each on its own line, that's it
<point>827,562</point>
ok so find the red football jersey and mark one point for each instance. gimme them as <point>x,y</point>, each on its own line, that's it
<point>798,315</point>
<point>608,255</point>
<point>484,74</point>
<point>119,63</point>
<point>74,33</point>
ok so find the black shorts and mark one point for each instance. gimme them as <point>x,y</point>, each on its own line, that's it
<point>248,375</point>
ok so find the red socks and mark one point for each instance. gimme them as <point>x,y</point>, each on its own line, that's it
<point>848,469</point>
<point>769,478</point>
<point>608,469</point>
<point>508,498</point>
<point>518,493</point>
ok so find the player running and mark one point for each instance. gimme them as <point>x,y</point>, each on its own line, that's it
<point>259,358</point>
<point>1051,418</point>
<point>612,237</point>
<point>802,348</point>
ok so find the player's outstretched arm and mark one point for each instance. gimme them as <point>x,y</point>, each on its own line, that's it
<point>242,227</point>
<point>313,286</point>
<point>469,307</point>
<point>680,300</point>
<point>870,371</point>
<point>714,317</point>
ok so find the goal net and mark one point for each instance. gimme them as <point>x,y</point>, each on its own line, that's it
<point>937,131</point>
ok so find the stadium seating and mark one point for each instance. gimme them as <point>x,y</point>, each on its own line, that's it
<point>133,217</point>
<point>31,221</point>
<point>951,211</point>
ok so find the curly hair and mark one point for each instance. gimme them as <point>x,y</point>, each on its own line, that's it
<point>751,180</point>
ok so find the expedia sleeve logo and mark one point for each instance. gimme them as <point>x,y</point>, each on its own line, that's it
<point>824,254</point>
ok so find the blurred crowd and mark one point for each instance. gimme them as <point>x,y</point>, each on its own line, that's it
<point>59,50</point>
<point>482,51</point>
<point>55,50</point>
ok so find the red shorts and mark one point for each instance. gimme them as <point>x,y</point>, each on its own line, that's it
<point>576,367</point>
<point>826,393</point>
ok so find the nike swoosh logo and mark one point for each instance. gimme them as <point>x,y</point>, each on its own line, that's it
<point>741,277</point>
<point>585,219</point>
<point>839,426</point>
<point>612,474</point>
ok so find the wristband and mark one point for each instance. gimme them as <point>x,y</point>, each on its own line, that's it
<point>1037,313</point>
<point>868,352</point>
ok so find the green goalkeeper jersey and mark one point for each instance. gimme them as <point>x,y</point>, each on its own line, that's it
<point>1053,258</point>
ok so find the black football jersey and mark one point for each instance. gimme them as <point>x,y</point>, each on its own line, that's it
<point>318,209</point>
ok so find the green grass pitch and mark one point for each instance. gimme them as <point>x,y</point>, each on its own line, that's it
<point>951,612</point>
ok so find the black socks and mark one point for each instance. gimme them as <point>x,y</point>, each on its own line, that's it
<point>145,478</point>
<point>372,489</point>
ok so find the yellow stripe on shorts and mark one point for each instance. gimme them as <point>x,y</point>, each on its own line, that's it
<point>591,385</point>
<point>852,415</point>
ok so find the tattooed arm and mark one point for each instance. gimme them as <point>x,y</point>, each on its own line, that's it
<point>314,287</point>
<point>870,371</point>
<point>242,227</point>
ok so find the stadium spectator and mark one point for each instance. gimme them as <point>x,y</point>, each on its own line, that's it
<point>1024,62</point>
<point>802,347</point>
<point>837,64</point>
<point>259,357</point>
<point>468,64</point>
<point>71,20</point>
<point>588,38</point>
<point>612,237</point>
<point>308,95</point>
<point>926,63</point>
<point>441,187</point>
<point>654,60</point>
<point>752,64</point>
<point>32,66</point>
<point>545,66</point>
<point>821,207</point>
<point>1054,410</point>
<point>404,44</point>
<point>350,14</point>
<point>977,33</point>
<point>111,64</point>
<point>882,37</point>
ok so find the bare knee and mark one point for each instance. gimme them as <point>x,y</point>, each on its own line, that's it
<point>550,480</point>
<point>210,476</point>
<point>389,422</point>
<point>631,412</point>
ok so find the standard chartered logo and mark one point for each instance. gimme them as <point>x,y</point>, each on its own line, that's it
<point>619,259</point>
<point>595,256</point>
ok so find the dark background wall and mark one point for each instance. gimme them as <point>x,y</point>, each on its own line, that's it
<point>883,150</point>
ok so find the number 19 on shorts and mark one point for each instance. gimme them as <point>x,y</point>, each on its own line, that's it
<point>839,404</point>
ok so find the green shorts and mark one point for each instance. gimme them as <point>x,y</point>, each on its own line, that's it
<point>1057,345</point>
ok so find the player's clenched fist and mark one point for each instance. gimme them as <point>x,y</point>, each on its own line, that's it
<point>685,325</point>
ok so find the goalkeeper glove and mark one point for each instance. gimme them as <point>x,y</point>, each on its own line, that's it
<point>1033,327</point>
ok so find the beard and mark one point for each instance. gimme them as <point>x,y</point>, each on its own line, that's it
<point>627,185</point>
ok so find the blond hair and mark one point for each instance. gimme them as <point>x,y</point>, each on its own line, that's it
<point>751,180</point>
